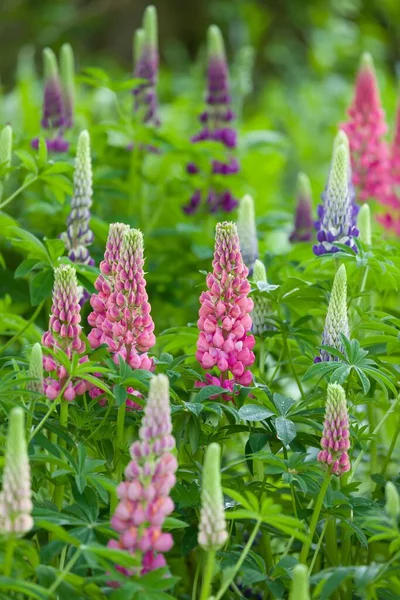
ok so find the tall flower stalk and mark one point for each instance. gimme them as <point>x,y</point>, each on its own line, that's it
<point>144,498</point>
<point>146,67</point>
<point>53,119</point>
<point>5,151</point>
<point>303,221</point>
<point>224,344</point>
<point>247,231</point>
<point>67,68</point>
<point>366,129</point>
<point>217,121</point>
<point>336,322</point>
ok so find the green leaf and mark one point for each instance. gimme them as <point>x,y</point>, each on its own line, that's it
<point>254,412</point>
<point>27,589</point>
<point>208,391</point>
<point>55,248</point>
<point>283,403</point>
<point>41,286</point>
<point>58,532</point>
<point>285,430</point>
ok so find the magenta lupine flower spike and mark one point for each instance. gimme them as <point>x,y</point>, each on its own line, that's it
<point>335,440</point>
<point>366,129</point>
<point>15,497</point>
<point>146,67</point>
<point>303,221</point>
<point>391,219</point>
<point>145,495</point>
<point>53,118</point>
<point>224,343</point>
<point>217,126</point>
<point>64,333</point>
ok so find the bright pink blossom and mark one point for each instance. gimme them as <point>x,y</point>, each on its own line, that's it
<point>366,129</point>
<point>224,342</point>
<point>64,333</point>
<point>335,440</point>
<point>144,496</point>
<point>391,220</point>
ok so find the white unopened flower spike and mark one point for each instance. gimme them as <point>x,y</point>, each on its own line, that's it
<point>364,224</point>
<point>336,322</point>
<point>247,231</point>
<point>212,527</point>
<point>15,497</point>
<point>36,369</point>
<point>300,590</point>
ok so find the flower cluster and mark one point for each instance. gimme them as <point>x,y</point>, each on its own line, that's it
<point>58,99</point>
<point>121,312</point>
<point>337,215</point>
<point>146,67</point>
<point>336,322</point>
<point>303,221</point>
<point>335,440</point>
<point>391,220</point>
<point>247,231</point>
<point>212,527</point>
<point>217,126</point>
<point>225,320</point>
<point>144,498</point>
<point>78,236</point>
<point>366,129</point>
<point>64,333</point>
<point>15,497</point>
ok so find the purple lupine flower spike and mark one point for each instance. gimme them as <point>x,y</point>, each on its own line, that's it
<point>144,497</point>
<point>67,68</point>
<point>335,440</point>
<point>53,118</point>
<point>303,221</point>
<point>217,126</point>
<point>146,67</point>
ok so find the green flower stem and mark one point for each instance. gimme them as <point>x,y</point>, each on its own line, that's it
<point>296,377</point>
<point>196,581</point>
<point>318,547</point>
<point>391,448</point>
<point>267,550</point>
<point>64,573</point>
<point>262,357</point>
<point>59,491</point>
<point>315,516</point>
<point>373,445</point>
<point>121,425</point>
<point>9,556</point>
<point>331,541</point>
<point>346,539</point>
<point>18,191</point>
<point>277,366</point>
<point>52,408</point>
<point>208,572</point>
<point>23,329</point>
<point>239,563</point>
<point>376,430</point>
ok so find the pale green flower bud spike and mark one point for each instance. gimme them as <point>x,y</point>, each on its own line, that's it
<point>67,67</point>
<point>247,231</point>
<point>5,149</point>
<point>50,64</point>
<point>36,369</point>
<point>303,186</point>
<point>300,589</point>
<point>259,272</point>
<point>83,178</point>
<point>150,26</point>
<point>338,177</point>
<point>212,528</point>
<point>215,42</point>
<point>138,43</point>
<point>392,506</point>
<point>367,61</point>
<point>336,322</point>
<point>364,224</point>
<point>341,139</point>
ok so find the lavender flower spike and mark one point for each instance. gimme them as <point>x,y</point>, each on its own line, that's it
<point>146,67</point>
<point>78,236</point>
<point>335,439</point>
<point>336,322</point>
<point>212,527</point>
<point>303,222</point>
<point>15,497</point>
<point>336,222</point>
<point>67,67</point>
<point>247,231</point>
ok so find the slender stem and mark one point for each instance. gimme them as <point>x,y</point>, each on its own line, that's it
<point>8,559</point>
<point>267,550</point>
<point>296,377</point>
<point>121,425</point>
<point>196,581</point>
<point>331,541</point>
<point>373,445</point>
<point>315,516</point>
<point>278,364</point>
<point>318,547</point>
<point>239,563</point>
<point>262,357</point>
<point>50,411</point>
<point>18,191</point>
<point>24,328</point>
<point>391,448</point>
<point>59,491</point>
<point>208,572</point>
<point>65,572</point>
<point>362,287</point>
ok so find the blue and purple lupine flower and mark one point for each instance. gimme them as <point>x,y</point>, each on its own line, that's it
<point>54,116</point>
<point>146,67</point>
<point>217,126</point>
<point>337,215</point>
<point>79,236</point>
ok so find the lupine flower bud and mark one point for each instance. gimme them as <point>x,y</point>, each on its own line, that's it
<point>335,439</point>
<point>303,222</point>
<point>67,68</point>
<point>364,224</point>
<point>5,149</point>
<point>15,497</point>
<point>300,587</point>
<point>336,322</point>
<point>336,222</point>
<point>146,67</point>
<point>212,527</point>
<point>145,495</point>
<point>216,122</point>
<point>65,333</point>
<point>224,323</point>
<point>53,106</point>
<point>247,231</point>
<point>78,236</point>
<point>366,128</point>
<point>262,306</point>
<point>36,369</point>
<point>391,220</point>
<point>392,506</point>
<point>341,139</point>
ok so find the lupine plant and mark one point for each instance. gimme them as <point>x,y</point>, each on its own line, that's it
<point>251,448</point>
